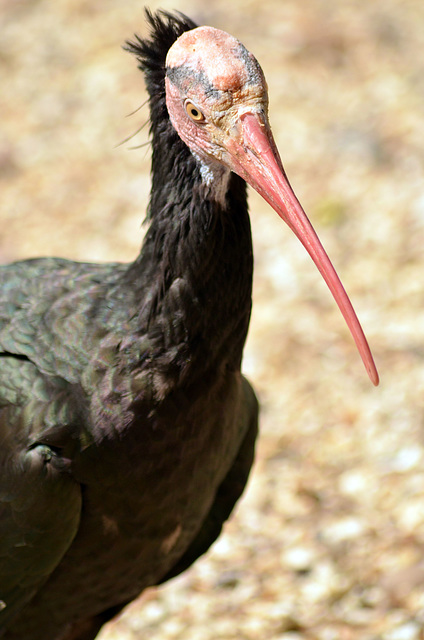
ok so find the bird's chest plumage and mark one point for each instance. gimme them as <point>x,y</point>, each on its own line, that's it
<point>147,492</point>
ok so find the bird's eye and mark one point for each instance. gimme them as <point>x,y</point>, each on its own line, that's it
<point>193,112</point>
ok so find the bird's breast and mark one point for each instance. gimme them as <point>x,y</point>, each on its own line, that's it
<point>148,491</point>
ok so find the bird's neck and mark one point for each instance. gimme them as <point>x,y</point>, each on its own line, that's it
<point>193,277</point>
<point>216,182</point>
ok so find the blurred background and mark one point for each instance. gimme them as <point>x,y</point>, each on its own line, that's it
<point>328,541</point>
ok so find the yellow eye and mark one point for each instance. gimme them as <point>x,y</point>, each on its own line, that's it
<point>193,112</point>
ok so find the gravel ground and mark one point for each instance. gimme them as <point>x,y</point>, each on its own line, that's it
<point>328,541</point>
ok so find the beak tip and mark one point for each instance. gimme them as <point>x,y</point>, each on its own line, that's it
<point>369,363</point>
<point>374,377</point>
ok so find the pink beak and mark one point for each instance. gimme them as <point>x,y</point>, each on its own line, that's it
<point>257,160</point>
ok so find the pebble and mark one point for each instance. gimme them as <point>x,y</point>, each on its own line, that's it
<point>407,631</point>
<point>344,529</point>
<point>299,558</point>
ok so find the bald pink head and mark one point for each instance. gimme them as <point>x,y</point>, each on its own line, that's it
<point>217,101</point>
<point>222,59</point>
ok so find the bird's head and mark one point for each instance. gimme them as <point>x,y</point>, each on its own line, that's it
<point>217,100</point>
<point>212,82</point>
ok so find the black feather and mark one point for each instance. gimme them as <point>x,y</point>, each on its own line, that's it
<point>168,150</point>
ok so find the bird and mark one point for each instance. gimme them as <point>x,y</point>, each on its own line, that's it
<point>127,430</point>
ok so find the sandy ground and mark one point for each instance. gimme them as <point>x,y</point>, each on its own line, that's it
<point>328,541</point>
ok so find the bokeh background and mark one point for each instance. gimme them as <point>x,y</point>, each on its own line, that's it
<point>328,541</point>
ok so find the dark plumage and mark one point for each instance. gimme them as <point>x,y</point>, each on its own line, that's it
<point>126,428</point>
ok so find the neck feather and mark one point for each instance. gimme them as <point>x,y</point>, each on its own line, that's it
<point>193,278</point>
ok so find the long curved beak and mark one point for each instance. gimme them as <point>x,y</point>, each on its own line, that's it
<point>256,159</point>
